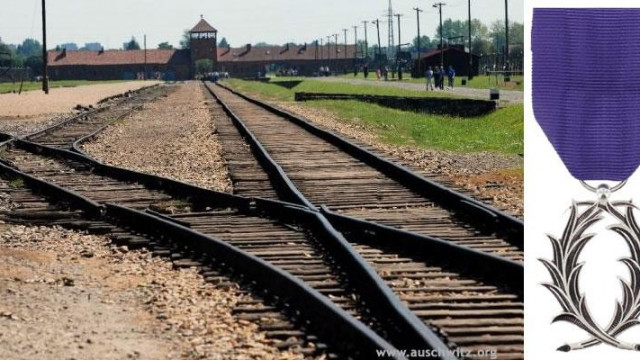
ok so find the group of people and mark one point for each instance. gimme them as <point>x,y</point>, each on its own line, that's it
<point>436,77</point>
<point>324,71</point>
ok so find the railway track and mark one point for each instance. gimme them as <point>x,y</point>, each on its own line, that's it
<point>325,170</point>
<point>29,208</point>
<point>63,134</point>
<point>452,290</point>
<point>78,181</point>
<point>469,313</point>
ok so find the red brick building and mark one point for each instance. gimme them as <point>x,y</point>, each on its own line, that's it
<point>305,59</point>
<point>174,64</point>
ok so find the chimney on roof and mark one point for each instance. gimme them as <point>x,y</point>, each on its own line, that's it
<point>287,47</point>
<point>101,51</point>
<point>248,47</point>
<point>64,52</point>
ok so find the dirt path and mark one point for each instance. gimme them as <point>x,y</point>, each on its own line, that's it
<point>511,96</point>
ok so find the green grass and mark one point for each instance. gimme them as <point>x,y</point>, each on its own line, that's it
<point>16,183</point>
<point>30,86</point>
<point>277,92</point>
<point>478,82</point>
<point>500,131</point>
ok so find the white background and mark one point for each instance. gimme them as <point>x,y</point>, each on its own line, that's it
<point>549,189</point>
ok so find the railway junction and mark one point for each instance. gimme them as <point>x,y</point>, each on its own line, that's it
<point>301,241</point>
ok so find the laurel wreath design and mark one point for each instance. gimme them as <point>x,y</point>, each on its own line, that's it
<point>565,272</point>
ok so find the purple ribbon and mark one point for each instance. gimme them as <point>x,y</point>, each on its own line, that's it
<point>586,88</point>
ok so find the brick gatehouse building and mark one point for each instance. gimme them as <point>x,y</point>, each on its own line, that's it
<point>179,64</point>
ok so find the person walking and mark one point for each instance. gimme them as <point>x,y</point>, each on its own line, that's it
<point>438,77</point>
<point>452,76</point>
<point>429,76</point>
<point>442,75</point>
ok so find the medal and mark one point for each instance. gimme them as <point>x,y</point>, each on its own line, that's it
<point>593,122</point>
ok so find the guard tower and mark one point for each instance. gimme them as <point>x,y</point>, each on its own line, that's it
<point>203,43</point>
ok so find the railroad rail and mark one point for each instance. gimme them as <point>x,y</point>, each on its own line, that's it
<point>485,323</point>
<point>63,134</point>
<point>470,299</point>
<point>316,167</point>
<point>93,187</point>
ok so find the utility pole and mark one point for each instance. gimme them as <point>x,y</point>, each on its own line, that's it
<point>470,73</point>
<point>418,11</point>
<point>355,38</point>
<point>45,60</point>
<point>377,22</point>
<point>329,48</point>
<point>506,34</point>
<point>345,42</point>
<point>439,6</point>
<point>145,57</point>
<point>399,49</point>
<point>366,40</point>
<point>321,48</point>
<point>336,41</point>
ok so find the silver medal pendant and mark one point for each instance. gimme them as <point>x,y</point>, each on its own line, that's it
<point>565,269</point>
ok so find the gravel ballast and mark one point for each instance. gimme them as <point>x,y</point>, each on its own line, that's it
<point>33,110</point>
<point>71,295</point>
<point>173,138</point>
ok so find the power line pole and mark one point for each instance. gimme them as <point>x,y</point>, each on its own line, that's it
<point>345,42</point>
<point>391,38</point>
<point>418,11</point>
<point>329,47</point>
<point>506,33</point>
<point>439,6</point>
<point>145,57</point>
<point>399,49</point>
<point>470,72</point>
<point>366,40</point>
<point>45,59</point>
<point>377,22</point>
<point>355,38</point>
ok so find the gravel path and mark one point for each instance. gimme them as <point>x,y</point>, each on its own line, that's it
<point>33,110</point>
<point>512,96</point>
<point>173,137</point>
<point>484,174</point>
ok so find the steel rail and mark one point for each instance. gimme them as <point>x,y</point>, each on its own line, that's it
<point>285,185</point>
<point>481,215</point>
<point>311,308</point>
<point>401,325</point>
<point>85,114</point>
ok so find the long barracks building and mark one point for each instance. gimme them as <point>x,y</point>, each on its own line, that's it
<point>176,64</point>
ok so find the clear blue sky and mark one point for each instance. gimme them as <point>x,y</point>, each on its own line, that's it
<point>113,22</point>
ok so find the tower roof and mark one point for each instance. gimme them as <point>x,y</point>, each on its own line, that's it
<point>203,27</point>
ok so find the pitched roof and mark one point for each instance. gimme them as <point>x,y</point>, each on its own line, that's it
<point>283,53</point>
<point>434,52</point>
<point>203,27</point>
<point>117,57</point>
